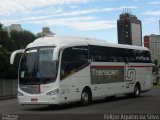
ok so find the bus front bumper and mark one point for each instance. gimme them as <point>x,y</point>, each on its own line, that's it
<point>38,99</point>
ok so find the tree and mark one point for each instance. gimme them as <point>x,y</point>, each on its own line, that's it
<point>5,40</point>
<point>16,40</point>
<point>1,25</point>
<point>155,62</point>
<point>21,38</point>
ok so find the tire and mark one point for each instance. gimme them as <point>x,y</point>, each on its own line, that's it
<point>137,91</point>
<point>86,97</point>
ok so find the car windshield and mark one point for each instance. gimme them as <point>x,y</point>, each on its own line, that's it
<point>37,66</point>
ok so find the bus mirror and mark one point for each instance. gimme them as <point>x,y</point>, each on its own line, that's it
<point>14,54</point>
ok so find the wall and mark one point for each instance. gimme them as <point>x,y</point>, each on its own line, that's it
<point>8,87</point>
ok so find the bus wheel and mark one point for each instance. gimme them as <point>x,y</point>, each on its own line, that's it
<point>86,97</point>
<point>137,90</point>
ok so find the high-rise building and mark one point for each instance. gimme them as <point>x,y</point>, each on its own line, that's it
<point>129,29</point>
<point>153,43</point>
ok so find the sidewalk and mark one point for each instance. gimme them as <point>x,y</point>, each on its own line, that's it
<point>7,97</point>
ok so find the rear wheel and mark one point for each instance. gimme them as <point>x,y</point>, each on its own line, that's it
<point>86,97</point>
<point>137,91</point>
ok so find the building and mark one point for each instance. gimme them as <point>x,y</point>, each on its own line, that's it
<point>45,31</point>
<point>153,43</point>
<point>129,29</point>
<point>146,41</point>
<point>13,27</point>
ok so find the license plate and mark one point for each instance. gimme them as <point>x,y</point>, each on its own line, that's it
<point>34,99</point>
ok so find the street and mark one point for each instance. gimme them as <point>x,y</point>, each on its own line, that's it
<point>147,103</point>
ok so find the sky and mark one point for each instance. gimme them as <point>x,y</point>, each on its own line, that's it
<point>86,18</point>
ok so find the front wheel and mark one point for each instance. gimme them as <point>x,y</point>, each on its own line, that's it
<point>86,97</point>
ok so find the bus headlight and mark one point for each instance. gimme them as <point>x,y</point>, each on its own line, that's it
<point>20,94</point>
<point>53,92</point>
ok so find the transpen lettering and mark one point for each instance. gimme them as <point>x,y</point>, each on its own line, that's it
<point>108,73</point>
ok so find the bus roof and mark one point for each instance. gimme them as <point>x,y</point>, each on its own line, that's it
<point>74,41</point>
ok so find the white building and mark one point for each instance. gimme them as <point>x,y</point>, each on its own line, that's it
<point>12,27</point>
<point>45,31</point>
<point>153,43</point>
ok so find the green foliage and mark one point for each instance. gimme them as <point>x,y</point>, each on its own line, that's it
<point>157,86</point>
<point>6,70</point>
<point>8,43</point>
<point>5,41</point>
<point>155,62</point>
<point>21,39</point>
<point>1,26</point>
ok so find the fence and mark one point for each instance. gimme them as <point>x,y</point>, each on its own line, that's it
<point>8,87</point>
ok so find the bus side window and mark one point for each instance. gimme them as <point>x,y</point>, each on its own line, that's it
<point>73,60</point>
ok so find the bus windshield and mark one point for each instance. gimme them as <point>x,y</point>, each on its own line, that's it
<point>37,66</point>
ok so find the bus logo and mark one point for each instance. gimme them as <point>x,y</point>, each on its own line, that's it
<point>106,74</point>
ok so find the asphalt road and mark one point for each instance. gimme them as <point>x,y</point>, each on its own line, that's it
<point>146,106</point>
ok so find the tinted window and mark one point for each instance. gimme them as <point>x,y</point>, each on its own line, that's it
<point>112,54</point>
<point>73,60</point>
<point>138,56</point>
<point>37,66</point>
<point>106,54</point>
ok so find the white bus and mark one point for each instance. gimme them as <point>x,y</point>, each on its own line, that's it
<point>56,70</point>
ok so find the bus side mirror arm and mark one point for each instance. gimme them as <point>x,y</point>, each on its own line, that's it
<point>14,54</point>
